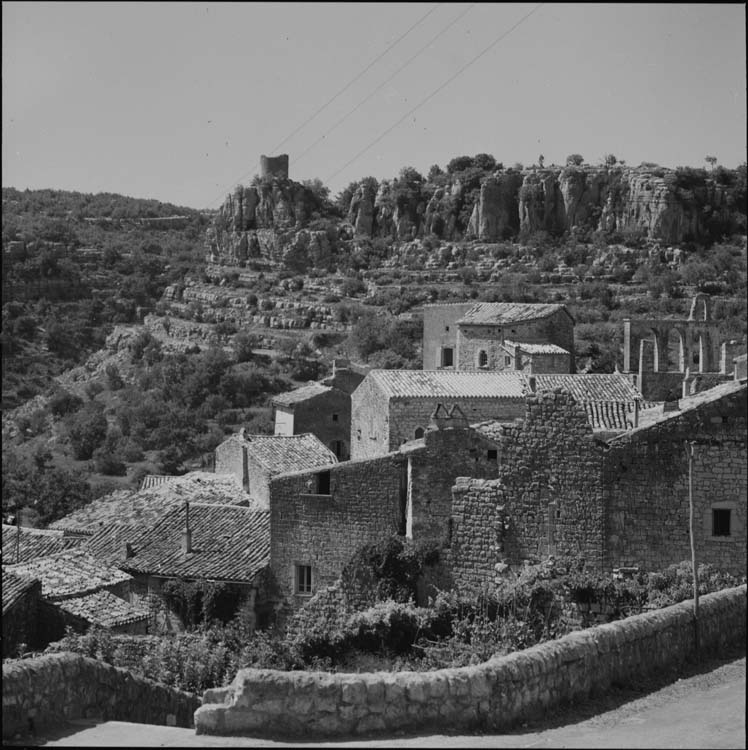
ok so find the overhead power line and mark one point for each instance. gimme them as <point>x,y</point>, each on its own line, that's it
<point>384,83</point>
<point>436,91</point>
<point>332,99</point>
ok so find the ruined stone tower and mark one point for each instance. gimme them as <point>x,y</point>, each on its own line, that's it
<point>274,166</point>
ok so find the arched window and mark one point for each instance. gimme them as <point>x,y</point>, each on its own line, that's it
<point>482,359</point>
<point>419,432</point>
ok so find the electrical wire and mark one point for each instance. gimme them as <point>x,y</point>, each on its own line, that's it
<point>384,83</point>
<point>436,91</point>
<point>331,100</point>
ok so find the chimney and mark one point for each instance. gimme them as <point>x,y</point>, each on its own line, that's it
<point>186,534</point>
<point>517,357</point>
<point>128,551</point>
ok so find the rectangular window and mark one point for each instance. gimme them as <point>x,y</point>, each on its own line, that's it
<point>447,358</point>
<point>492,454</point>
<point>334,417</point>
<point>721,521</point>
<point>507,361</point>
<point>323,483</point>
<point>303,579</point>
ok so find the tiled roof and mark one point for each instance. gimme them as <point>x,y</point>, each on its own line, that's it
<point>71,573</point>
<point>449,384</point>
<point>104,609</point>
<point>500,313</point>
<point>14,587</point>
<point>154,480</point>
<point>229,543</point>
<point>32,544</point>
<point>145,507</point>
<point>593,387</point>
<point>303,393</point>
<point>610,415</point>
<point>655,415</point>
<point>534,348</point>
<point>283,453</point>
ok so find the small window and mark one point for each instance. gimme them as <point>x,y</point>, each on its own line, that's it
<point>323,483</point>
<point>507,361</point>
<point>419,432</point>
<point>446,328</point>
<point>721,521</point>
<point>447,357</point>
<point>358,434</point>
<point>303,579</point>
<point>334,417</point>
<point>492,454</point>
<point>482,359</point>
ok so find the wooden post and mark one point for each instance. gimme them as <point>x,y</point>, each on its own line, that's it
<point>689,453</point>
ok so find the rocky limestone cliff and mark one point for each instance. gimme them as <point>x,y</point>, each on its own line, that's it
<point>269,220</point>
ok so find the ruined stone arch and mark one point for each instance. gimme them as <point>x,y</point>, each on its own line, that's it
<point>677,349</point>
<point>701,300</point>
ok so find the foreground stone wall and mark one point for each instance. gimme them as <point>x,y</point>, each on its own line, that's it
<point>49,690</point>
<point>496,694</point>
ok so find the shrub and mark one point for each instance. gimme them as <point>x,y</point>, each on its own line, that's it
<point>64,402</point>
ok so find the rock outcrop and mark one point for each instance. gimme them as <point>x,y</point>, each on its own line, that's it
<point>269,220</point>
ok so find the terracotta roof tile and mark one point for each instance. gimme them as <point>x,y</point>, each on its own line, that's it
<point>303,393</point>
<point>15,586</point>
<point>71,573</point>
<point>449,384</point>
<point>145,507</point>
<point>33,544</point>
<point>229,543</point>
<point>283,453</point>
<point>535,348</point>
<point>104,609</point>
<point>500,313</point>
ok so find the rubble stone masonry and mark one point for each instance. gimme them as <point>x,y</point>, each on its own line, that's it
<point>365,503</point>
<point>497,694</point>
<point>49,690</point>
<point>546,499</point>
<point>647,493</point>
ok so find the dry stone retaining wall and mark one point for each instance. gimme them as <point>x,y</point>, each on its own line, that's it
<point>497,693</point>
<point>49,690</point>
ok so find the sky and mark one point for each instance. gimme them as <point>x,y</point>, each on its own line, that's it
<point>177,101</point>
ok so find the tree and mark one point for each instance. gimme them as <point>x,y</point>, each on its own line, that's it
<point>711,160</point>
<point>541,159</point>
<point>87,429</point>
<point>574,160</point>
<point>610,160</point>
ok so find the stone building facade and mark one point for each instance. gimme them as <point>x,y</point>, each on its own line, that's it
<point>255,459</point>
<point>319,519</point>
<point>391,407</point>
<point>619,502</point>
<point>321,408</point>
<point>471,336</point>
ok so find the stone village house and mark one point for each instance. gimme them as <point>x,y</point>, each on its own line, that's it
<point>391,407</point>
<point>322,408</point>
<point>528,337</point>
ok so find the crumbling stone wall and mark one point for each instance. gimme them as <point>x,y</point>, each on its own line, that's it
<point>547,498</point>
<point>497,694</point>
<point>49,690</point>
<point>645,475</point>
<point>366,502</point>
<point>432,471</point>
